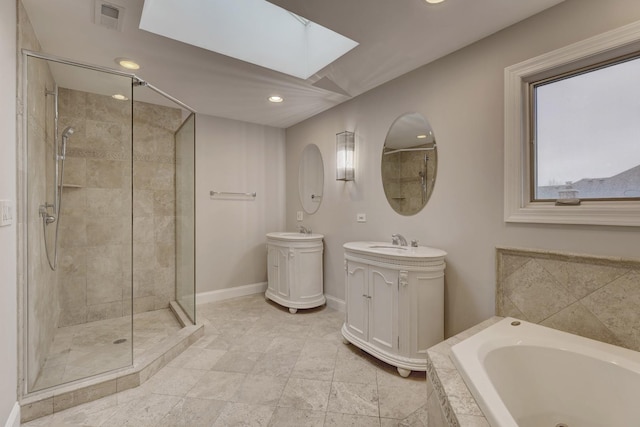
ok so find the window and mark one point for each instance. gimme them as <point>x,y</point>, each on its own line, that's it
<point>586,133</point>
<point>572,131</point>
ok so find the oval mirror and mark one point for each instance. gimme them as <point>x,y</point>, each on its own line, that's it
<point>311,178</point>
<point>409,163</point>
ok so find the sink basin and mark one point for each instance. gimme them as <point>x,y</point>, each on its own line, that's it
<point>400,248</point>
<point>395,251</point>
<point>294,236</point>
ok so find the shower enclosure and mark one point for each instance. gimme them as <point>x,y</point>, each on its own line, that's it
<point>107,213</point>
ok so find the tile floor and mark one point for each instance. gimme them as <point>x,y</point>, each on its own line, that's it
<point>259,365</point>
<point>88,349</point>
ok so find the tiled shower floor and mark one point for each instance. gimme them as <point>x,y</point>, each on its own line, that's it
<point>81,351</point>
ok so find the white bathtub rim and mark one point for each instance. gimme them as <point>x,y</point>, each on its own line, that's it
<point>468,356</point>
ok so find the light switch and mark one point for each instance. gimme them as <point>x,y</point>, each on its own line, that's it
<point>299,215</point>
<point>6,215</point>
<point>361,217</point>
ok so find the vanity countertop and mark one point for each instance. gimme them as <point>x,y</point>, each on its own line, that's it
<point>292,236</point>
<point>395,251</point>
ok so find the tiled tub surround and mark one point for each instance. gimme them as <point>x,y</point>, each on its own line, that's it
<point>595,297</point>
<point>449,400</point>
<point>525,374</point>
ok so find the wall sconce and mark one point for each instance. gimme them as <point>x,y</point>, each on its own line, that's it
<point>345,161</point>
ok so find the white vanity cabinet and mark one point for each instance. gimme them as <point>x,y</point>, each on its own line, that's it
<point>394,302</point>
<point>294,270</point>
<point>372,303</point>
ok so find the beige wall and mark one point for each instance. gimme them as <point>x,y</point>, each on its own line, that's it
<point>462,97</point>
<point>8,262</point>
<point>230,234</point>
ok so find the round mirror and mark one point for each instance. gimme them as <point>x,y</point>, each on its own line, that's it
<point>409,163</point>
<point>311,178</point>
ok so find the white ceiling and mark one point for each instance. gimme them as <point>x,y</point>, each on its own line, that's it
<point>395,36</point>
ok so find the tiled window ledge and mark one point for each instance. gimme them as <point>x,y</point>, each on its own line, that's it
<point>450,403</point>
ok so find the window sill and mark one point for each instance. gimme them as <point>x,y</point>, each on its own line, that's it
<point>588,213</point>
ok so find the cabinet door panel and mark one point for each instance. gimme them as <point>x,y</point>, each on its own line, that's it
<point>308,275</point>
<point>357,301</point>
<point>429,309</point>
<point>283,272</point>
<point>272,269</point>
<point>383,289</point>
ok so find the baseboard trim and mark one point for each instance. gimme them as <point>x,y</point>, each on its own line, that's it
<point>224,294</point>
<point>336,304</point>
<point>14,416</point>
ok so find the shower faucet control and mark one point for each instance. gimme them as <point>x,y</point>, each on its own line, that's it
<point>44,213</point>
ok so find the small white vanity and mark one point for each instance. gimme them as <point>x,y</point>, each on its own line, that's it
<point>294,270</point>
<point>395,301</point>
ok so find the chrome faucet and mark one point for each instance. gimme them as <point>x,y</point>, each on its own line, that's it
<point>398,239</point>
<point>304,230</point>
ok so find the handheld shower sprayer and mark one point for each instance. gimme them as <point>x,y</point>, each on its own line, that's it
<point>66,133</point>
<point>49,218</point>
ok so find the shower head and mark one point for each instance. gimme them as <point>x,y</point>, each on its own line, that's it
<point>67,132</point>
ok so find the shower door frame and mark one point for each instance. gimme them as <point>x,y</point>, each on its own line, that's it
<point>22,201</point>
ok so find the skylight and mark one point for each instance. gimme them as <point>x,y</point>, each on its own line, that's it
<point>254,31</point>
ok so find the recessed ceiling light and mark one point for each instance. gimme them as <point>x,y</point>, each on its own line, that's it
<point>276,99</point>
<point>434,1</point>
<point>120,97</point>
<point>127,63</point>
<point>422,136</point>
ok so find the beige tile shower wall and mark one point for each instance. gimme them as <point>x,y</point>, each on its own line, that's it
<point>96,270</point>
<point>595,297</point>
<point>95,227</point>
<point>41,294</point>
<point>154,205</point>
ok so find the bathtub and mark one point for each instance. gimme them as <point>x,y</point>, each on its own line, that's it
<point>528,375</point>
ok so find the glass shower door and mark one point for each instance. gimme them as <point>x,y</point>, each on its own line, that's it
<point>77,204</point>
<point>185,216</point>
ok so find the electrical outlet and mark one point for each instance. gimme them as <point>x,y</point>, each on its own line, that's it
<point>361,217</point>
<point>6,216</point>
<point>299,215</point>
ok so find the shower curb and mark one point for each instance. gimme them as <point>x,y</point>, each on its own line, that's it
<point>45,403</point>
